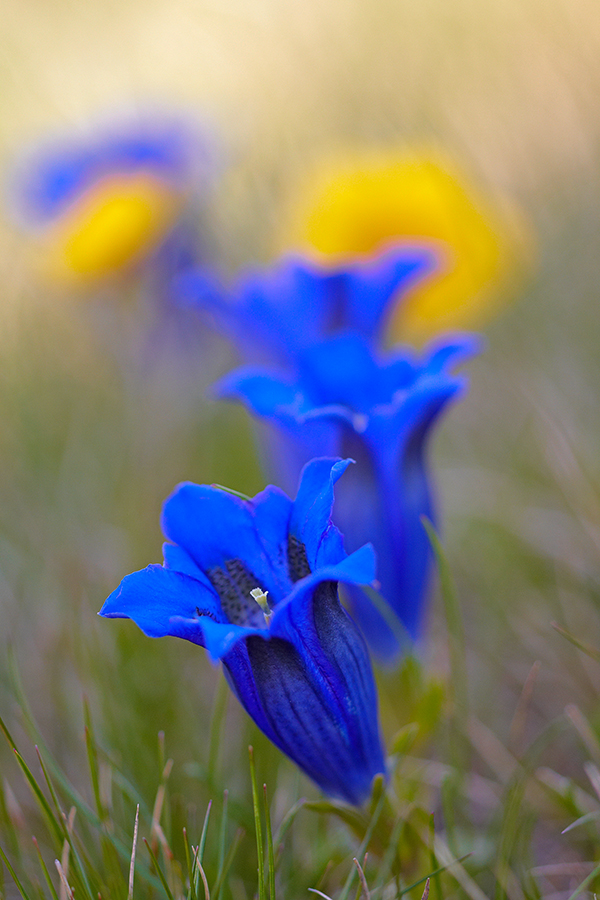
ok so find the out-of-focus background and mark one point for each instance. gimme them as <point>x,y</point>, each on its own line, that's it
<point>103,405</point>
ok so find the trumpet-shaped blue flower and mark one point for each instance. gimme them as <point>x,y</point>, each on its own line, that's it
<point>278,312</point>
<point>255,582</point>
<point>381,410</point>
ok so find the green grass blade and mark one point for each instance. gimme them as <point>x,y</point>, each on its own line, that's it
<point>364,845</point>
<point>56,825</point>
<point>133,851</point>
<point>221,847</point>
<point>202,843</point>
<point>90,745</point>
<point>7,734</point>
<point>437,871</point>
<point>270,850</point>
<point>216,726</point>
<point>188,861</point>
<point>590,651</point>
<point>579,891</point>
<point>15,878</point>
<point>262,892</point>
<point>45,871</point>
<point>228,860</point>
<point>76,856</point>
<point>159,871</point>
<point>456,646</point>
<point>287,822</point>
<point>235,493</point>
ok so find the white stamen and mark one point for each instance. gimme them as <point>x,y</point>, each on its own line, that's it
<point>261,598</point>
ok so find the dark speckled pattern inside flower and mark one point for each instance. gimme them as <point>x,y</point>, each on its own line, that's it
<point>233,585</point>
<point>297,560</point>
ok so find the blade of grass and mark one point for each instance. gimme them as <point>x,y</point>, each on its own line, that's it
<point>44,868</point>
<point>221,847</point>
<point>155,826</point>
<point>90,745</point>
<point>270,851</point>
<point>456,647</point>
<point>434,861</point>
<point>590,651</point>
<point>133,849</point>
<point>158,870</point>
<point>14,876</point>
<point>67,887</point>
<point>204,879</point>
<point>216,726</point>
<point>577,893</point>
<point>49,763</point>
<point>202,843</point>
<point>232,491</point>
<point>56,825</point>
<point>67,835</point>
<point>512,818</point>
<point>286,823</point>
<point>364,888</point>
<point>364,845</point>
<point>262,892</point>
<point>7,734</point>
<point>457,870</point>
<point>390,854</point>
<point>431,875</point>
<point>188,860</point>
<point>582,820</point>
<point>228,860</point>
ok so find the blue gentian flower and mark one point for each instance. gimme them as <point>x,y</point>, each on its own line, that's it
<point>61,171</point>
<point>105,202</point>
<point>278,312</point>
<point>255,582</point>
<point>380,409</point>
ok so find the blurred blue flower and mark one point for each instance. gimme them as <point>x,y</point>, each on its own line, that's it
<point>275,313</point>
<point>255,582</point>
<point>104,202</point>
<point>380,409</point>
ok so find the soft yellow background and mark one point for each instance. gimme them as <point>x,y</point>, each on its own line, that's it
<point>509,89</point>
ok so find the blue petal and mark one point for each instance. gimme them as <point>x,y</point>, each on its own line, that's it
<point>176,558</point>
<point>220,638</point>
<point>288,305</point>
<point>163,602</point>
<point>59,173</point>
<point>452,351</point>
<point>264,393</point>
<point>289,405</point>
<point>311,521</point>
<point>369,287</point>
<point>318,699</point>
<point>358,568</point>
<point>341,371</point>
<point>277,312</point>
<point>214,526</point>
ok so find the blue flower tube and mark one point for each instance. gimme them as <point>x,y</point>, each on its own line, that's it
<point>381,410</point>
<point>255,583</point>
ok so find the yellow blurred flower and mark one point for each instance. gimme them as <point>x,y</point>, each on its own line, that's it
<point>115,223</point>
<point>100,205</point>
<point>361,204</point>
